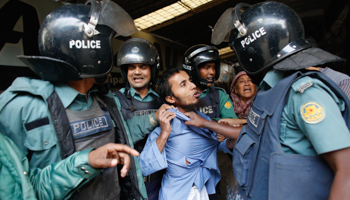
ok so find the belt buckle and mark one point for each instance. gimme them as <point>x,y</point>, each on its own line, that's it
<point>147,179</point>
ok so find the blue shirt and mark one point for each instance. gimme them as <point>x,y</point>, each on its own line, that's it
<point>311,122</point>
<point>196,145</point>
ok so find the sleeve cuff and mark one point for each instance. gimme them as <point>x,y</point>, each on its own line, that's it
<point>82,166</point>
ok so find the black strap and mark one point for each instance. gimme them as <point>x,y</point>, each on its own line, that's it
<point>121,137</point>
<point>61,125</point>
<point>125,104</point>
<point>37,123</point>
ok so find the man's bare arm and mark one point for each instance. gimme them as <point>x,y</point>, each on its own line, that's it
<point>339,161</point>
<point>164,118</point>
<point>223,129</point>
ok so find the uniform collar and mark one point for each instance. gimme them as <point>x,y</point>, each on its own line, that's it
<point>133,92</point>
<point>271,79</point>
<point>67,94</point>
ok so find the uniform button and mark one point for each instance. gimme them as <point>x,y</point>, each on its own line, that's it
<point>83,168</point>
<point>46,142</point>
<point>25,173</point>
<point>87,172</point>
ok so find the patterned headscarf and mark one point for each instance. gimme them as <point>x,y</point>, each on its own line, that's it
<point>241,109</point>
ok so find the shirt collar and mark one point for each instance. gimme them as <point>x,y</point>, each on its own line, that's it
<point>133,92</point>
<point>271,79</point>
<point>67,94</point>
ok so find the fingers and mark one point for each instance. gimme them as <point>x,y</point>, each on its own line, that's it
<point>109,155</point>
<point>190,114</point>
<point>166,116</point>
<point>220,137</point>
<point>166,106</point>
<point>223,122</point>
<point>163,108</point>
<point>123,148</point>
<point>125,160</point>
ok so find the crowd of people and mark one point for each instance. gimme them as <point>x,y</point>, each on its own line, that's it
<point>281,132</point>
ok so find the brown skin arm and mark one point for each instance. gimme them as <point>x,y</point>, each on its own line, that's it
<point>164,118</point>
<point>339,161</point>
<point>233,122</point>
<point>223,129</point>
<point>110,155</point>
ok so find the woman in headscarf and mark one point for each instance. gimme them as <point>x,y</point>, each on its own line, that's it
<point>242,94</point>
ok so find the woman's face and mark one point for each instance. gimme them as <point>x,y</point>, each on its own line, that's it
<point>244,87</point>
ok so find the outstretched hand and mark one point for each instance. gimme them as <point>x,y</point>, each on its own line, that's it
<point>110,155</point>
<point>196,120</point>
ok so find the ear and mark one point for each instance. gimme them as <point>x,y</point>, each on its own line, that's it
<point>170,99</point>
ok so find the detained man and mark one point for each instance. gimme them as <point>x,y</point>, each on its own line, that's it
<point>188,153</point>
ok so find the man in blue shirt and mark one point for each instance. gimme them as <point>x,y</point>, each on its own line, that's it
<point>188,153</point>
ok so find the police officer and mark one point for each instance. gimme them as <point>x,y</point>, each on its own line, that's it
<point>202,63</point>
<point>69,109</point>
<point>138,60</point>
<point>296,143</point>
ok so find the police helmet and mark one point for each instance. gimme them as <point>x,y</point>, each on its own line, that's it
<point>137,50</point>
<point>261,35</point>
<point>196,56</point>
<point>75,41</point>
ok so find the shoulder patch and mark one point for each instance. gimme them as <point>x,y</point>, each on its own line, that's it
<point>228,105</point>
<point>312,113</point>
<point>152,120</point>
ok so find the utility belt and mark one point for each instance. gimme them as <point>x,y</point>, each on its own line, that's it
<point>154,177</point>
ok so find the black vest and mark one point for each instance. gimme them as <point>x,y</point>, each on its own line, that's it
<point>211,106</point>
<point>129,184</point>
<point>131,107</point>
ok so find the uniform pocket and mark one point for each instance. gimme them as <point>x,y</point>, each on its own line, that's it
<point>293,176</point>
<point>242,158</point>
<point>41,145</point>
<point>40,138</point>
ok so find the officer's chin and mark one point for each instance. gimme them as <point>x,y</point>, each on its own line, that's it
<point>256,79</point>
<point>101,80</point>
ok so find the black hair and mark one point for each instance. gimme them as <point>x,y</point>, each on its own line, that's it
<point>164,87</point>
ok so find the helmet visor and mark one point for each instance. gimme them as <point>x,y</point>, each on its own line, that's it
<point>117,18</point>
<point>223,27</point>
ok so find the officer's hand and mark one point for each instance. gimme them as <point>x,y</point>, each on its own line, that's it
<point>110,155</point>
<point>164,107</point>
<point>196,120</point>
<point>233,122</point>
<point>220,137</point>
